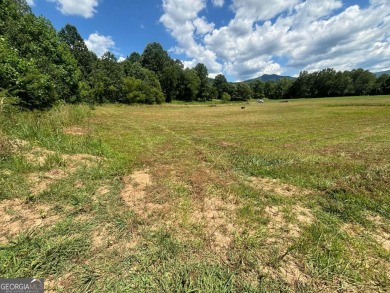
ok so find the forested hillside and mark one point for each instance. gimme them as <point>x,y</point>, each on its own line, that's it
<point>40,67</point>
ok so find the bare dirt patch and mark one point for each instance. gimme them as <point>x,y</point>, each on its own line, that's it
<point>278,187</point>
<point>279,226</point>
<point>17,144</point>
<point>38,156</point>
<point>17,216</point>
<point>79,160</point>
<point>102,238</point>
<point>292,272</point>
<point>134,194</point>
<point>102,190</point>
<point>59,284</point>
<point>41,182</point>
<point>216,216</point>
<point>284,228</point>
<point>75,130</point>
<point>383,238</point>
<point>303,215</point>
<point>79,184</point>
<point>381,232</point>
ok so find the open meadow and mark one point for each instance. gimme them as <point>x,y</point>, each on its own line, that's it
<point>243,197</point>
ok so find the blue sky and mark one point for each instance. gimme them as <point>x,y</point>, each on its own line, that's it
<point>239,38</point>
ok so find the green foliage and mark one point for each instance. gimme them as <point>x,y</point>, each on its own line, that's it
<point>11,11</point>
<point>141,91</point>
<point>226,97</point>
<point>9,63</point>
<point>38,68</point>
<point>132,90</point>
<point>382,85</point>
<point>36,90</point>
<point>258,89</point>
<point>281,89</point>
<point>106,79</point>
<point>243,92</point>
<point>155,58</point>
<point>332,83</point>
<point>221,85</point>
<point>134,57</point>
<point>189,85</point>
<point>202,72</point>
<point>363,81</point>
<point>170,80</point>
<point>85,59</point>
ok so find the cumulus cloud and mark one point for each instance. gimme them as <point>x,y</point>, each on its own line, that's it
<point>30,2</point>
<point>84,8</point>
<point>256,10</point>
<point>308,35</point>
<point>182,21</point>
<point>202,26</point>
<point>99,44</point>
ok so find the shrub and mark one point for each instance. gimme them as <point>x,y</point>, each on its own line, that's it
<point>225,97</point>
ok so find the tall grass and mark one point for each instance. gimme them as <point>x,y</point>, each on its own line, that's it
<point>46,129</point>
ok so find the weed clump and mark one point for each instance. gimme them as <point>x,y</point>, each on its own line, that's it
<point>5,147</point>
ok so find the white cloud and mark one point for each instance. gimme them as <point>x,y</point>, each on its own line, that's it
<point>30,2</point>
<point>182,21</point>
<point>256,10</point>
<point>99,44</point>
<point>308,35</point>
<point>121,59</point>
<point>202,26</point>
<point>84,8</point>
<point>218,3</point>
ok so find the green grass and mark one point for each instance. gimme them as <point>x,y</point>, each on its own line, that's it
<point>276,197</point>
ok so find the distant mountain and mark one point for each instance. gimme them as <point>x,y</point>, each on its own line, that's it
<point>382,72</point>
<point>268,77</point>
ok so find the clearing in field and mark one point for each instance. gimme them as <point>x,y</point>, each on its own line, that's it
<point>273,197</point>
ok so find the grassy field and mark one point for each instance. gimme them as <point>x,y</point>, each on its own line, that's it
<point>273,197</point>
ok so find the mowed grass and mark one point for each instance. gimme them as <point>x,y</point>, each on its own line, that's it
<point>291,197</point>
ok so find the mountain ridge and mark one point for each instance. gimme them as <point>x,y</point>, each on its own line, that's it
<point>270,77</point>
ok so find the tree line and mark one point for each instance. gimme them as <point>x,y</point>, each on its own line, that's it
<point>331,83</point>
<point>40,67</point>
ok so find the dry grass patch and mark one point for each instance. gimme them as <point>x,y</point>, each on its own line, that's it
<point>17,144</point>
<point>5,145</point>
<point>226,144</point>
<point>278,187</point>
<point>382,232</point>
<point>76,130</point>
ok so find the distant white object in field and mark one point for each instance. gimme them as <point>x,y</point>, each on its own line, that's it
<point>260,101</point>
